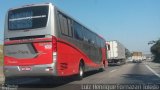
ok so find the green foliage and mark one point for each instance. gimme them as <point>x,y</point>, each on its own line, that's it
<point>127,53</point>
<point>155,49</point>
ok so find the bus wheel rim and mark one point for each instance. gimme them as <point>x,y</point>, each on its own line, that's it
<point>81,71</point>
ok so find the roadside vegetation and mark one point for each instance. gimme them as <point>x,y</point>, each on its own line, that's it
<point>1,55</point>
<point>127,53</point>
<point>155,49</point>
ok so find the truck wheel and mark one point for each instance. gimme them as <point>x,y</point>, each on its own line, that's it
<point>119,63</point>
<point>81,71</point>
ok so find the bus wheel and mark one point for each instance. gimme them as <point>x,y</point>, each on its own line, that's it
<point>102,68</point>
<point>81,71</point>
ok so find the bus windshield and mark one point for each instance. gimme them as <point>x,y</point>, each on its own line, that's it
<point>28,18</point>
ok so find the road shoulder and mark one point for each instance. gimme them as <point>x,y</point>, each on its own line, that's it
<point>1,75</point>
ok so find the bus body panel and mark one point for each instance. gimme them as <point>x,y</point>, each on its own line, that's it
<point>36,70</point>
<point>69,57</point>
<point>17,63</point>
<point>28,54</point>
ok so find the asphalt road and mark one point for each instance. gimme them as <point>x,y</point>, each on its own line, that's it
<point>128,74</point>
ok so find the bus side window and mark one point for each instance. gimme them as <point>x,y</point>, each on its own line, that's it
<point>98,41</point>
<point>89,36</point>
<point>77,31</point>
<point>70,31</point>
<point>65,25</point>
<point>93,39</point>
<point>85,38</point>
<point>102,43</point>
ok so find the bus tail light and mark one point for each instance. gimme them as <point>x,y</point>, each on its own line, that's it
<point>54,48</point>
<point>54,44</point>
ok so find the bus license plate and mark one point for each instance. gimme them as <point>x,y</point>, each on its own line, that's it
<point>26,68</point>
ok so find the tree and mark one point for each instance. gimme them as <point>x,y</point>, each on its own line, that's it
<point>127,53</point>
<point>155,50</point>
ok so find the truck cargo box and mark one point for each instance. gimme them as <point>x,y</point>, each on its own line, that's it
<point>117,50</point>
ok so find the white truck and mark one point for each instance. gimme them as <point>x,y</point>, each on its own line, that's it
<point>116,54</point>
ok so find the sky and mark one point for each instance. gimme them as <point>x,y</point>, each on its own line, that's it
<point>132,22</point>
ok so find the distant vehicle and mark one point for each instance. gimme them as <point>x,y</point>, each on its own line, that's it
<point>137,57</point>
<point>130,60</point>
<point>144,58</point>
<point>116,54</point>
<point>40,40</point>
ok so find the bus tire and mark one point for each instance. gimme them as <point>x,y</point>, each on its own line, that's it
<point>102,68</point>
<point>81,71</point>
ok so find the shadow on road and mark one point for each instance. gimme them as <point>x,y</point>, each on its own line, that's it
<point>48,82</point>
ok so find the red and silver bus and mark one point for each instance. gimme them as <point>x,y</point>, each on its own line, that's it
<point>41,40</point>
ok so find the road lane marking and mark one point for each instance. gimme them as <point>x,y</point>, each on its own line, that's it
<point>153,71</point>
<point>113,70</point>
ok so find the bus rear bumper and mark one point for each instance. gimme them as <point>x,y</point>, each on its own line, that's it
<point>34,70</point>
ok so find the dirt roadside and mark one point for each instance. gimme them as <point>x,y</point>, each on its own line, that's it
<point>1,75</point>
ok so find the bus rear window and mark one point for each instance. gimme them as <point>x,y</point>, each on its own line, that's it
<point>28,18</point>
